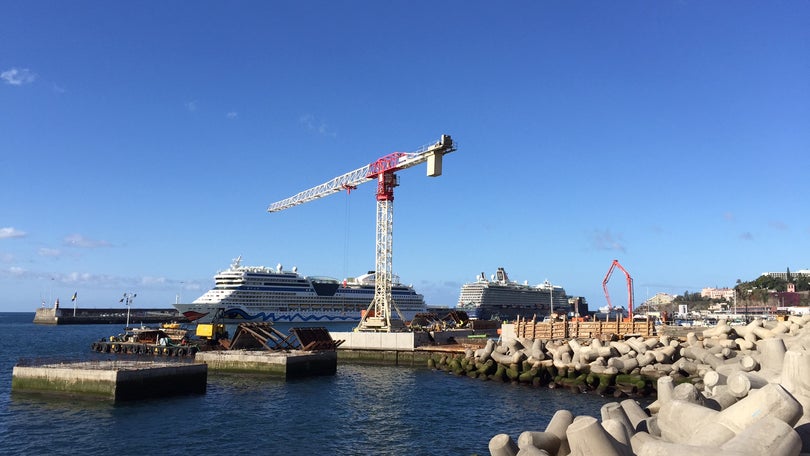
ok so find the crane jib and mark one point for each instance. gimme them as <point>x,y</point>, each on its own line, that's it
<point>388,163</point>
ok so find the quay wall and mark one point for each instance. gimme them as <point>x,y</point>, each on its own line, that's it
<point>113,380</point>
<point>407,358</point>
<point>283,364</point>
<point>94,383</point>
<point>94,316</point>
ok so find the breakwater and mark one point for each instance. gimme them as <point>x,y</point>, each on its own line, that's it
<point>741,390</point>
<point>97,316</point>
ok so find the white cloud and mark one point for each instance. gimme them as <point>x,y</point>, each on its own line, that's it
<point>191,106</point>
<point>46,252</point>
<point>315,125</point>
<point>153,280</point>
<point>11,232</point>
<point>18,76</point>
<point>77,240</point>
<point>232,115</point>
<point>605,240</point>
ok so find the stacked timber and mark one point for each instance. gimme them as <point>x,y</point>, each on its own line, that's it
<point>734,391</point>
<point>575,329</point>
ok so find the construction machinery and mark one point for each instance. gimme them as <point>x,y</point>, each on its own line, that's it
<point>614,265</point>
<point>378,316</point>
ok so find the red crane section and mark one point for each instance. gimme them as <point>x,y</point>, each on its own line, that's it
<point>629,287</point>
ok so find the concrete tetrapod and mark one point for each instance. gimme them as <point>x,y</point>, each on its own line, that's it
<point>502,445</point>
<point>587,437</point>
<point>770,436</point>
<point>716,428</point>
<point>559,426</point>
<point>545,441</point>
<point>796,379</point>
<point>646,445</point>
<point>741,383</point>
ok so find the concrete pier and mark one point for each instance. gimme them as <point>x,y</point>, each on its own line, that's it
<point>397,341</point>
<point>87,316</point>
<point>286,364</point>
<point>111,380</point>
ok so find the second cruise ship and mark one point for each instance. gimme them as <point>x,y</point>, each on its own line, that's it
<point>500,298</point>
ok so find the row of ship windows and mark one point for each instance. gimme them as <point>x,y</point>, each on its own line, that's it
<point>337,308</point>
<point>311,300</point>
<point>310,290</point>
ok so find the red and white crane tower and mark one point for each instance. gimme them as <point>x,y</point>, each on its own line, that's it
<point>629,287</point>
<point>378,315</point>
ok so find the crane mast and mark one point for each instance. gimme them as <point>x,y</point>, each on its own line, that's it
<point>629,287</point>
<point>378,315</point>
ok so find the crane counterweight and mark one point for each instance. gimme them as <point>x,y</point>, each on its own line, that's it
<point>378,315</point>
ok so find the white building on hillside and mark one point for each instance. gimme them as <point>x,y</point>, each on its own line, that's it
<point>783,275</point>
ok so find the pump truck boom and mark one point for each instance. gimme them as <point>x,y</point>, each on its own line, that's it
<point>629,287</point>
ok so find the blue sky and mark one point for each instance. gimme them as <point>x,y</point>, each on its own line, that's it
<point>141,143</point>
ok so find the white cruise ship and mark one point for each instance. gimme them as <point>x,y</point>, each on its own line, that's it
<point>498,298</point>
<point>261,294</point>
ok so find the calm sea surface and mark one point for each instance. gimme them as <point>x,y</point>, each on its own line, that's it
<point>361,410</point>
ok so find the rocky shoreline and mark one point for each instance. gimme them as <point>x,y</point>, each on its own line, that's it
<point>742,390</point>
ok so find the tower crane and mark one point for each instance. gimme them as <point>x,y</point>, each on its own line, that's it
<point>629,287</point>
<point>378,315</point>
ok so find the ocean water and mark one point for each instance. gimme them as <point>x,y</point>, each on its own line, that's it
<point>362,410</point>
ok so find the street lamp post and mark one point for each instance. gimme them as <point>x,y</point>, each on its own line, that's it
<point>128,298</point>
